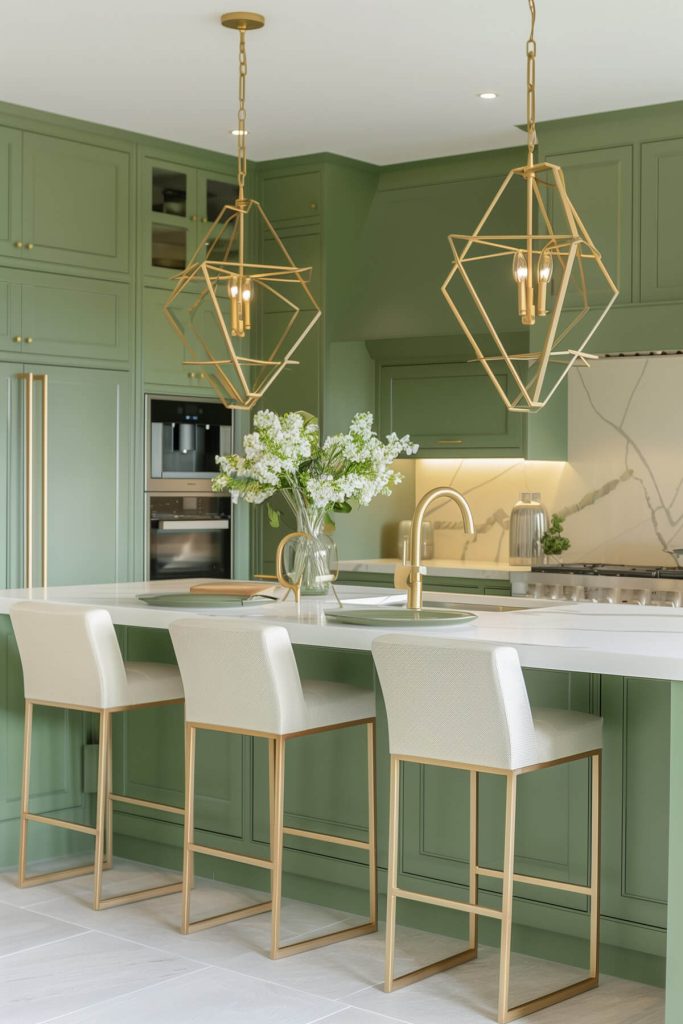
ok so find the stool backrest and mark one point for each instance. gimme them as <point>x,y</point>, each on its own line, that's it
<point>239,674</point>
<point>69,654</point>
<point>453,701</point>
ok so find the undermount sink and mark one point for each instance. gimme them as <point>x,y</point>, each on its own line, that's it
<point>403,617</point>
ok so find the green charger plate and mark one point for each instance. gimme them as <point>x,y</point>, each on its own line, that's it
<point>187,600</point>
<point>401,617</point>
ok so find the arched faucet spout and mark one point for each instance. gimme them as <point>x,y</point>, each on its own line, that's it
<point>417,570</point>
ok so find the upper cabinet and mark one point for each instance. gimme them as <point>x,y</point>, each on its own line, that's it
<point>662,221</point>
<point>64,202</point>
<point>179,202</point>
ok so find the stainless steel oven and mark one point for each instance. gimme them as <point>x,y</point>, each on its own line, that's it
<point>188,536</point>
<point>184,436</point>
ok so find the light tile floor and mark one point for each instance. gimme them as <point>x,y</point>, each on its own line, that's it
<point>61,961</point>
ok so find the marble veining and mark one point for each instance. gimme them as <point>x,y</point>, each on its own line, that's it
<point>621,492</point>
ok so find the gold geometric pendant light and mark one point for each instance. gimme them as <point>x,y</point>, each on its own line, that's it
<point>211,305</point>
<point>549,276</point>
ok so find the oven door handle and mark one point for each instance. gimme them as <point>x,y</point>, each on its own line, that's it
<point>193,524</point>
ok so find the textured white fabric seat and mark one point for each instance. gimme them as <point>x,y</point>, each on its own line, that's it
<point>241,676</point>
<point>71,658</point>
<point>464,705</point>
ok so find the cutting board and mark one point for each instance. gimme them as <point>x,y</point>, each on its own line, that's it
<point>230,588</point>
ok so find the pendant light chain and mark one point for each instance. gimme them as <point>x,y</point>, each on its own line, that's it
<point>531,86</point>
<point>242,117</point>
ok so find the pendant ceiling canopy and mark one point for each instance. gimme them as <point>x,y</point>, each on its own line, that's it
<point>532,248</point>
<point>215,300</point>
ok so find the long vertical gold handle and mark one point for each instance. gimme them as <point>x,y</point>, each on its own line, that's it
<point>28,461</point>
<point>43,527</point>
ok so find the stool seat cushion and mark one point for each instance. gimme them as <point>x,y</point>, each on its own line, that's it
<point>149,682</point>
<point>562,734</point>
<point>329,703</point>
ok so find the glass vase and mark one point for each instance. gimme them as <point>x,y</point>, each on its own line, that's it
<point>312,558</point>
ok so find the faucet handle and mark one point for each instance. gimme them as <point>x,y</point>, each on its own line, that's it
<point>401,574</point>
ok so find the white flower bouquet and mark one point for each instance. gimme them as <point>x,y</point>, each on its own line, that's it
<point>286,455</point>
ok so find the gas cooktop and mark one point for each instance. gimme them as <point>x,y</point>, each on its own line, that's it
<point>612,569</point>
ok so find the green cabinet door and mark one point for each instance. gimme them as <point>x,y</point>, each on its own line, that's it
<point>7,378</point>
<point>10,191</point>
<point>292,197</point>
<point>163,351</point>
<point>449,409</point>
<point>88,471</point>
<point>168,214</point>
<point>661,221</point>
<point>65,317</point>
<point>75,203</point>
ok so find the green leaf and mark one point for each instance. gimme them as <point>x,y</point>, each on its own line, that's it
<point>342,506</point>
<point>273,515</point>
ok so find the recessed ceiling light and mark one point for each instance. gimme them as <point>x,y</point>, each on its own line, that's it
<point>488,95</point>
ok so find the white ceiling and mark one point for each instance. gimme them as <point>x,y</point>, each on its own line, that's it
<point>379,80</point>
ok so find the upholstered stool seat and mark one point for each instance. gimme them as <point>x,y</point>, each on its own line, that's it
<point>71,659</point>
<point>241,677</point>
<point>464,705</point>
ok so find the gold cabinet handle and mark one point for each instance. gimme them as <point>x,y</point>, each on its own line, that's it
<point>313,206</point>
<point>17,339</point>
<point>205,220</point>
<point>192,375</point>
<point>194,217</point>
<point>29,245</point>
<point>30,379</point>
<point>451,440</point>
<point>295,587</point>
<point>18,245</point>
<point>29,341</point>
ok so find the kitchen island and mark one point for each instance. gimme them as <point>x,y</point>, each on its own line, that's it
<point>623,662</point>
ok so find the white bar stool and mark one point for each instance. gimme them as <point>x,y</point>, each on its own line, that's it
<point>71,659</point>
<point>465,706</point>
<point>241,677</point>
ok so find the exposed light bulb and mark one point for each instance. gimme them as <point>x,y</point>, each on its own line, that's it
<point>520,274</point>
<point>544,272</point>
<point>488,95</point>
<point>239,131</point>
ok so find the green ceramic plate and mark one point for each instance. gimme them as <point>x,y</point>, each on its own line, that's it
<point>392,617</point>
<point>187,600</point>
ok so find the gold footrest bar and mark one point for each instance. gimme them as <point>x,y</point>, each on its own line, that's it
<point>232,915</point>
<point>168,808</point>
<point>439,965</point>
<point>56,876</point>
<point>140,894</point>
<point>210,851</point>
<point>324,940</point>
<point>71,825</point>
<point>544,883</point>
<point>542,1002</point>
<point>322,837</point>
<point>437,901</point>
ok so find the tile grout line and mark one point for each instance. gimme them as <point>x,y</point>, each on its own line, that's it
<point>51,942</point>
<point>122,995</point>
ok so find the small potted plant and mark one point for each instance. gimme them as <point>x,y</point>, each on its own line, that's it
<point>554,541</point>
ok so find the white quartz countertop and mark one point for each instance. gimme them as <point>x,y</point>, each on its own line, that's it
<point>439,567</point>
<point>610,639</point>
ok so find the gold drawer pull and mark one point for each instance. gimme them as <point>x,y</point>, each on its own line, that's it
<point>451,440</point>
<point>18,245</point>
<point>17,339</point>
<point>29,245</point>
<point>29,341</point>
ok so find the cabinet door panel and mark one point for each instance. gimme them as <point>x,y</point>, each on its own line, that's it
<point>292,196</point>
<point>75,317</point>
<point>88,475</point>
<point>600,185</point>
<point>169,215</point>
<point>10,320</point>
<point>662,221</point>
<point>10,191</point>
<point>163,352</point>
<point>76,203</point>
<point>449,408</point>
<point>305,251</point>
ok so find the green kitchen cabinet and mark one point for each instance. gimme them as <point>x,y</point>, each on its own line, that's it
<point>292,197</point>
<point>89,524</point>
<point>10,190</point>
<point>163,351</point>
<point>178,202</point>
<point>65,317</point>
<point>661,216</point>
<point>65,202</point>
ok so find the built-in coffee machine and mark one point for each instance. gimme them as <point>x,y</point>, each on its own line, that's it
<point>188,528</point>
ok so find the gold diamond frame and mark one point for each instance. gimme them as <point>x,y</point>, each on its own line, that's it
<point>572,248</point>
<point>239,379</point>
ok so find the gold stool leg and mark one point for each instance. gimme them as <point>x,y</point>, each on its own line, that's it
<point>392,874</point>
<point>102,804</point>
<point>188,855</point>
<point>474,860</point>
<point>109,828</point>
<point>277,816</point>
<point>596,819</point>
<point>25,790</point>
<point>506,921</point>
<point>372,822</point>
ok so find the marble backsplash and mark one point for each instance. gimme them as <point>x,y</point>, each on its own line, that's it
<point>621,492</point>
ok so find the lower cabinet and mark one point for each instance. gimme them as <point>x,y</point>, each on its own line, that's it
<point>88,473</point>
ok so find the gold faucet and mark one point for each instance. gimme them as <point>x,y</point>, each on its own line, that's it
<point>412,578</point>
